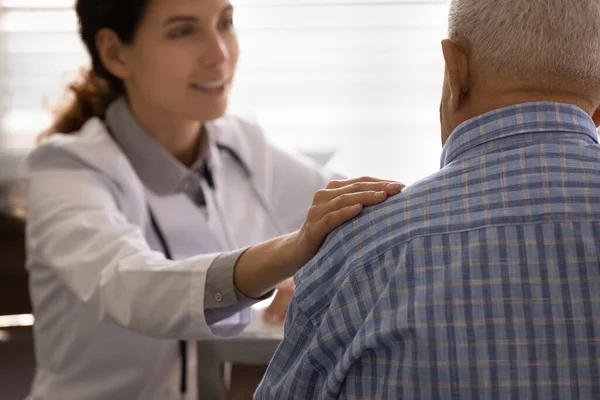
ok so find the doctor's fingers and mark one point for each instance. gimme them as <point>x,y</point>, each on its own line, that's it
<point>336,184</point>
<point>320,223</point>
<point>345,202</point>
<point>327,195</point>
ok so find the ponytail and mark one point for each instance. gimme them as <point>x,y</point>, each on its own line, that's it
<point>87,97</point>
<point>91,94</point>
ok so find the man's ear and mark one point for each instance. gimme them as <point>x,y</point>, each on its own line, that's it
<point>457,69</point>
<point>111,51</point>
<point>596,118</point>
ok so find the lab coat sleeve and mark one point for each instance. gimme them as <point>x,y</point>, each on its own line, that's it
<point>221,297</point>
<point>76,228</point>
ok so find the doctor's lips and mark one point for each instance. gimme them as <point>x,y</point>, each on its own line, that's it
<point>214,88</point>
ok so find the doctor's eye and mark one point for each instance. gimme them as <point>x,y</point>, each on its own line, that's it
<point>226,24</point>
<point>181,32</point>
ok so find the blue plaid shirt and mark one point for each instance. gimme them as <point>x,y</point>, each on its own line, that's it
<point>481,281</point>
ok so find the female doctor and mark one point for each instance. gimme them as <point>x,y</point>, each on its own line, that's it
<point>144,213</point>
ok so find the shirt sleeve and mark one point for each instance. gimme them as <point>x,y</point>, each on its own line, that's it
<point>221,297</point>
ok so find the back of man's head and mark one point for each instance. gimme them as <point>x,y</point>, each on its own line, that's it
<point>531,39</point>
<point>539,47</point>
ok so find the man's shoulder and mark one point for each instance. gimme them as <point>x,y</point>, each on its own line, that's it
<point>377,230</point>
<point>466,194</point>
<point>417,206</point>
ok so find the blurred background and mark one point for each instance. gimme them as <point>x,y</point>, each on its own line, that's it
<point>352,83</point>
<point>353,78</point>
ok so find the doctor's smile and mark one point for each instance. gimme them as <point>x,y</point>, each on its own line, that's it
<point>212,88</point>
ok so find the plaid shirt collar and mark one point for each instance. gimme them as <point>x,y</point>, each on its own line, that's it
<point>541,117</point>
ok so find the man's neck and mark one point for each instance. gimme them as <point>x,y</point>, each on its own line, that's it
<point>494,98</point>
<point>482,102</point>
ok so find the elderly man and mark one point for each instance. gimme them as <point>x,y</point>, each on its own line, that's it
<point>481,281</point>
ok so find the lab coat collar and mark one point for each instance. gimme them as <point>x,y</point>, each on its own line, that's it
<point>159,171</point>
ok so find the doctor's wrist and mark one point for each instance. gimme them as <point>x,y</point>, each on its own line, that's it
<point>291,253</point>
<point>262,267</point>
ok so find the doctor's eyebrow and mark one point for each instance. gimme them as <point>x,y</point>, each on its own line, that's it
<point>190,18</point>
<point>181,18</point>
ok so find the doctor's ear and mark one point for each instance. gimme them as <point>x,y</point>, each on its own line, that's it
<point>457,69</point>
<point>112,53</point>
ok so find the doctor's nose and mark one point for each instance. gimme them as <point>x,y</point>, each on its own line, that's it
<point>217,51</point>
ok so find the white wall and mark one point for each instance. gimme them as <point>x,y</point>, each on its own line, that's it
<point>360,78</point>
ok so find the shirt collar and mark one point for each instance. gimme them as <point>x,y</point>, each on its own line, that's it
<point>527,118</point>
<point>158,170</point>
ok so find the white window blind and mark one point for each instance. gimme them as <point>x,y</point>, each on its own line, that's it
<point>359,78</point>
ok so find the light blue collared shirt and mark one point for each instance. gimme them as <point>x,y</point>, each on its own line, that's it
<point>479,282</point>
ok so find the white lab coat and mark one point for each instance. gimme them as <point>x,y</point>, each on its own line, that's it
<point>108,309</point>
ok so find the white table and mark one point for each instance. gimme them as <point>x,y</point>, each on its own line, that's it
<point>254,347</point>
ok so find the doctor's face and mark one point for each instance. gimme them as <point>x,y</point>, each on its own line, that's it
<point>183,58</point>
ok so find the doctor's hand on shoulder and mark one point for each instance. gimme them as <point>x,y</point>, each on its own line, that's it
<point>338,203</point>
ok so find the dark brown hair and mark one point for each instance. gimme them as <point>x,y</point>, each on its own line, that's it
<point>90,95</point>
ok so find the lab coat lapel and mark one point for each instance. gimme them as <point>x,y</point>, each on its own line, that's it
<point>185,226</point>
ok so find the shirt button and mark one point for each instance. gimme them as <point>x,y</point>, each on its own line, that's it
<point>219,297</point>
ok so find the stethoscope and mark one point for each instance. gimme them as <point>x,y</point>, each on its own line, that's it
<point>258,194</point>
<point>208,176</point>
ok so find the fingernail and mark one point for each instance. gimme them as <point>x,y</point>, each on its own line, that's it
<point>395,186</point>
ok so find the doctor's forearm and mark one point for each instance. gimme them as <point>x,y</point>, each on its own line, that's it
<point>264,266</point>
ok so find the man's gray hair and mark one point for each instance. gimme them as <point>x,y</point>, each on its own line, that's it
<point>531,39</point>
